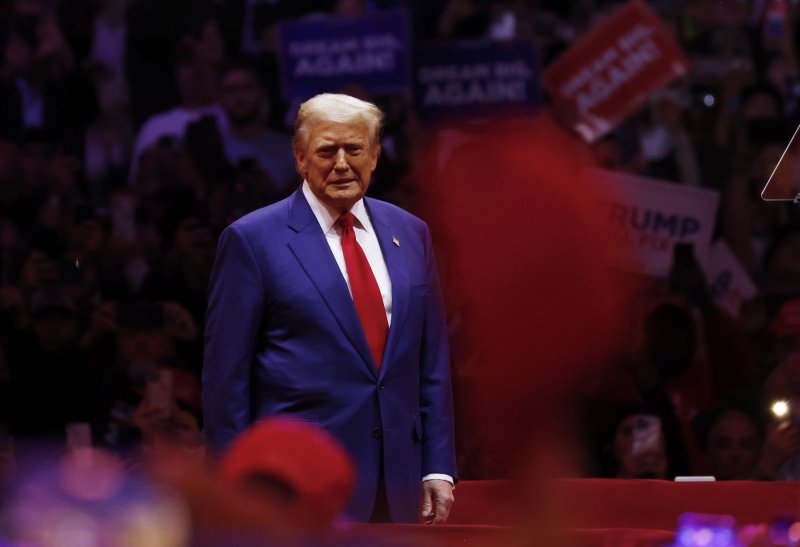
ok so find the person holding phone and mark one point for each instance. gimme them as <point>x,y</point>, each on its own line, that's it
<point>195,78</point>
<point>783,435</point>
<point>637,449</point>
<point>740,446</point>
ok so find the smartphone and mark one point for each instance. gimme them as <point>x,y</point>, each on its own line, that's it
<point>646,433</point>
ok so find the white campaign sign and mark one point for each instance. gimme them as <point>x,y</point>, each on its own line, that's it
<point>647,217</point>
<point>728,281</point>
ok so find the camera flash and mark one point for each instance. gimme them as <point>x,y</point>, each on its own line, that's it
<point>780,409</point>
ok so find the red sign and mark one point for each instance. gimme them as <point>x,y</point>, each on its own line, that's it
<point>612,70</point>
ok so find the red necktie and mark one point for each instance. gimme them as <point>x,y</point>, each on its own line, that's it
<point>366,294</point>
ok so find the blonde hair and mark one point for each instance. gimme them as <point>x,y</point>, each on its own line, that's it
<point>336,107</point>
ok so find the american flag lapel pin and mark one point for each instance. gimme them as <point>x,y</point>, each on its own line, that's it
<point>395,241</point>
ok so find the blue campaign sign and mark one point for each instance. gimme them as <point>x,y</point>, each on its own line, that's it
<point>325,54</point>
<point>476,77</point>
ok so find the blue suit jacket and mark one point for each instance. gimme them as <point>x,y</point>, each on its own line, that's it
<point>283,337</point>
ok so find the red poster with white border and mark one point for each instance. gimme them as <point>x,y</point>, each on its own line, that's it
<point>611,71</point>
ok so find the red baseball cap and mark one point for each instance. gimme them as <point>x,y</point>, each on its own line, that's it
<point>300,453</point>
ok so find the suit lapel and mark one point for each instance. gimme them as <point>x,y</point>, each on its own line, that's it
<point>312,251</point>
<point>397,272</point>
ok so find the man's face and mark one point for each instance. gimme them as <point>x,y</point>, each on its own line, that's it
<point>733,447</point>
<point>338,161</point>
<point>242,96</point>
<point>197,81</point>
<point>648,463</point>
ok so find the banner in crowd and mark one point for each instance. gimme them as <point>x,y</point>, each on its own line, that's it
<point>475,77</point>
<point>728,281</point>
<point>611,71</point>
<point>326,54</point>
<point>647,217</point>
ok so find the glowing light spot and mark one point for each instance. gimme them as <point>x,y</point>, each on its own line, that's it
<point>780,409</point>
<point>686,536</point>
<point>703,537</point>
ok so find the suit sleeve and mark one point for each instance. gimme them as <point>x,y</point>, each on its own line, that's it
<point>233,320</point>
<point>436,398</point>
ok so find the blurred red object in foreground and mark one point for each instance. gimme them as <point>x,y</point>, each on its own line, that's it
<point>527,268</point>
<point>297,456</point>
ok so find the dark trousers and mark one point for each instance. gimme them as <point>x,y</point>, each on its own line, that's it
<point>380,512</point>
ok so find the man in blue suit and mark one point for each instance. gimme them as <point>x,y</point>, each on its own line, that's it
<point>326,306</point>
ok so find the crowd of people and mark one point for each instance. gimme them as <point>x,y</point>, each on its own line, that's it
<point>133,131</point>
<point>708,377</point>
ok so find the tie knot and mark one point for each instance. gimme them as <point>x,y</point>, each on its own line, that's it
<point>346,220</point>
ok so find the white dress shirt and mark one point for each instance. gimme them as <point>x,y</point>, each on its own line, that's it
<point>368,239</point>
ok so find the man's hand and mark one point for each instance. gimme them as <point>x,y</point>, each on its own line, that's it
<point>437,498</point>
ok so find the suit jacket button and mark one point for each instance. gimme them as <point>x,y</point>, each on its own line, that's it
<point>380,387</point>
<point>377,433</point>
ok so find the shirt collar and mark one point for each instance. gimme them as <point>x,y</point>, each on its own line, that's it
<point>327,217</point>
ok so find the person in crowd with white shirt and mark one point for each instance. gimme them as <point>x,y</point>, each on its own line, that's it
<point>196,78</point>
<point>247,137</point>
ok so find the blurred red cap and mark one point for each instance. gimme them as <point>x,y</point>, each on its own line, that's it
<point>308,458</point>
<point>523,232</point>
